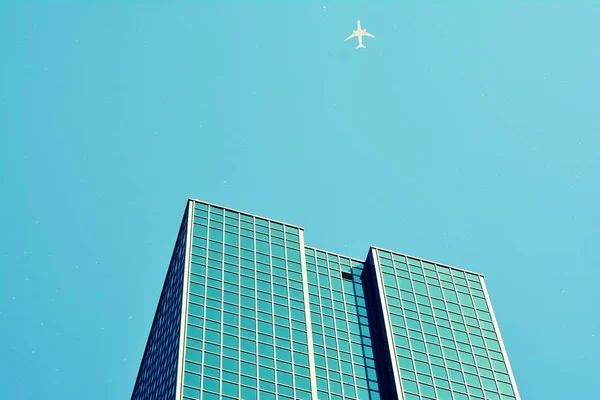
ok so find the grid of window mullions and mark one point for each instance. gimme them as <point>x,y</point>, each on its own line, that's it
<point>239,313</point>
<point>488,353</point>
<point>436,324</point>
<point>485,332</point>
<point>477,368</point>
<point>487,350</point>
<point>404,317</point>
<point>410,346</point>
<point>324,262</point>
<point>355,285</point>
<point>290,326</point>
<point>421,323</point>
<point>337,351</point>
<point>205,308</point>
<point>507,379</point>
<point>471,285</point>
<point>322,332</point>
<point>345,307</point>
<point>453,333</point>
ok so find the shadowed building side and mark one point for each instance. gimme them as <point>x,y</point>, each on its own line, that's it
<point>157,376</point>
<point>345,364</point>
<point>381,344</point>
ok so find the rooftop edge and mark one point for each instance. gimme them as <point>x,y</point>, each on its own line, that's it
<point>244,212</point>
<point>331,252</point>
<point>335,254</point>
<point>426,260</point>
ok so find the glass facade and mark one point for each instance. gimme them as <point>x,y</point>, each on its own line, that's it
<point>246,324</point>
<point>249,312</point>
<point>443,337</point>
<point>343,350</point>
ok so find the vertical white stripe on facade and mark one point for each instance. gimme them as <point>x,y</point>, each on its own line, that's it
<point>311,352</point>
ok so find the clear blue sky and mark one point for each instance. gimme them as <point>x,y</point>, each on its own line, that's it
<point>464,133</point>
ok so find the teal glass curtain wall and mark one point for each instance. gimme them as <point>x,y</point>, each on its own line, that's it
<point>248,311</point>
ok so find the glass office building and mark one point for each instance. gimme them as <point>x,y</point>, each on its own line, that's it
<point>248,311</point>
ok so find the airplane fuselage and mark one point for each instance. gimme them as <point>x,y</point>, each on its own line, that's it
<point>359,33</point>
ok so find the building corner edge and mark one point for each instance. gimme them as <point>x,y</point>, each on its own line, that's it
<point>502,346</point>
<point>184,300</point>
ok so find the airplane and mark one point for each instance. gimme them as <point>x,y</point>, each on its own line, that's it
<point>359,33</point>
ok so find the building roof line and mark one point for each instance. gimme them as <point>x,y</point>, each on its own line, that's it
<point>429,261</point>
<point>335,254</point>
<point>245,213</point>
<point>327,251</point>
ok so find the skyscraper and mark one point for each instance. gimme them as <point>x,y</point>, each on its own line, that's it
<point>248,311</point>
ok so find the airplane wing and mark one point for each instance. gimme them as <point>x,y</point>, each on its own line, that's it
<point>350,37</point>
<point>369,35</point>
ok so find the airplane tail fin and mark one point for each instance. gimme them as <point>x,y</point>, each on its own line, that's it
<point>361,46</point>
